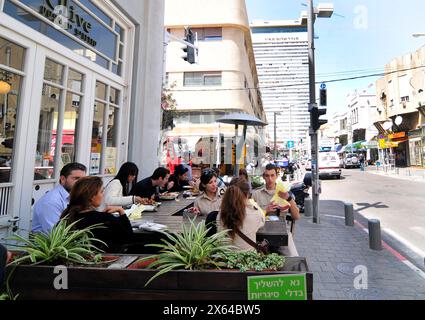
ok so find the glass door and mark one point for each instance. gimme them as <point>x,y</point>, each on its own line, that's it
<point>58,126</point>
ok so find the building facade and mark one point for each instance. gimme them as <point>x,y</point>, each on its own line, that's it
<point>281,54</point>
<point>401,110</point>
<point>80,80</point>
<point>361,112</point>
<point>223,81</point>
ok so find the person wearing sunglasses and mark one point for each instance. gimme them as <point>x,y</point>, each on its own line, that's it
<point>210,199</point>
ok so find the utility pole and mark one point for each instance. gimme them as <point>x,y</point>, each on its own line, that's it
<point>313,133</point>
<point>275,141</point>
<point>323,11</point>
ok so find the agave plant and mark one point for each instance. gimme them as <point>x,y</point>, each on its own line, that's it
<point>190,250</point>
<point>62,244</point>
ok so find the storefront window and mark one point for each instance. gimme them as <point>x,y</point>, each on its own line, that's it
<point>97,133</point>
<point>53,72</point>
<point>47,133</point>
<point>104,149</point>
<point>61,99</point>
<point>75,80</point>
<point>9,105</point>
<point>11,56</point>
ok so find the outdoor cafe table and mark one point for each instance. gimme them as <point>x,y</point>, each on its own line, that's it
<point>170,213</point>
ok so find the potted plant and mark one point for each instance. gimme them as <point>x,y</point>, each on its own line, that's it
<point>63,245</point>
<point>193,249</point>
<point>252,260</point>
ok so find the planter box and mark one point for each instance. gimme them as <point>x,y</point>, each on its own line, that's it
<point>120,281</point>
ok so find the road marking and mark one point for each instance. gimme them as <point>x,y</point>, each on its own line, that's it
<point>419,230</point>
<point>405,242</point>
<point>399,257</point>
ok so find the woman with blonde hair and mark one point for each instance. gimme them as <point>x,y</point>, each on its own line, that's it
<point>87,195</point>
<point>237,213</point>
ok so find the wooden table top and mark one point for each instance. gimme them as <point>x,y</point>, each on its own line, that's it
<point>169,214</point>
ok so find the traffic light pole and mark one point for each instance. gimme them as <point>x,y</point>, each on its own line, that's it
<point>312,104</point>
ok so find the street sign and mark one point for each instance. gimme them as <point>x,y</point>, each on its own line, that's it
<point>290,144</point>
<point>323,86</point>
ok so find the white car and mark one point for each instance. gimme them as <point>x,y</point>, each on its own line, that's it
<point>351,160</point>
<point>329,165</point>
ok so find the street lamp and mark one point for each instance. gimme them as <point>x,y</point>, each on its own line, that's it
<point>326,11</point>
<point>417,35</point>
<point>275,144</point>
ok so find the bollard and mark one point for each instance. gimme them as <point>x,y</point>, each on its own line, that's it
<point>308,207</point>
<point>374,226</point>
<point>349,215</point>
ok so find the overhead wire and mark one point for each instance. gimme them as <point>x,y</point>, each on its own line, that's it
<point>373,75</point>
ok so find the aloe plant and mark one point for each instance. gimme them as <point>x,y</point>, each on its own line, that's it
<point>190,250</point>
<point>62,244</point>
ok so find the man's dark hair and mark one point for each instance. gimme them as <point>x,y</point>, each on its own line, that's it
<point>271,166</point>
<point>160,172</point>
<point>67,169</point>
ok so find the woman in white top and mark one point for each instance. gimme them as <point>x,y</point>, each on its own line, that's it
<point>117,191</point>
<point>238,213</point>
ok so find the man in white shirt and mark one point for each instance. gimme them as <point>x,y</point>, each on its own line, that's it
<point>263,198</point>
<point>48,209</point>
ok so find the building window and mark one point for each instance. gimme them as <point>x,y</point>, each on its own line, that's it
<point>104,145</point>
<point>202,79</point>
<point>58,122</point>
<point>11,56</point>
<point>208,34</point>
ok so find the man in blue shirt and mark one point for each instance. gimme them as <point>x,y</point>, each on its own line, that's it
<point>49,207</point>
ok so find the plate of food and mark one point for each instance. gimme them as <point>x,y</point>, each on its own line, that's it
<point>169,196</point>
<point>149,202</point>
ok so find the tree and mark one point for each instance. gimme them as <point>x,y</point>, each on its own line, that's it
<point>168,106</point>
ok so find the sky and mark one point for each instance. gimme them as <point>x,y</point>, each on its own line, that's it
<point>361,35</point>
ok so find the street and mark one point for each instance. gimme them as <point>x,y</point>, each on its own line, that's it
<point>398,204</point>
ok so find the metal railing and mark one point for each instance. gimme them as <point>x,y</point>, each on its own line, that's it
<point>5,196</point>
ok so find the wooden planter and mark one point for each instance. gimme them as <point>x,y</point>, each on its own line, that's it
<point>121,281</point>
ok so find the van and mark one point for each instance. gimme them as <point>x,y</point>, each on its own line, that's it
<point>329,164</point>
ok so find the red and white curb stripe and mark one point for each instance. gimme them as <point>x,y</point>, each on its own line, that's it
<point>397,254</point>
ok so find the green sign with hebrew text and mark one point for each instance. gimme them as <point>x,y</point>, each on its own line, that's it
<point>278,287</point>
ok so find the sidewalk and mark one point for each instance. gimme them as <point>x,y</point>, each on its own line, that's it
<point>333,250</point>
<point>410,173</point>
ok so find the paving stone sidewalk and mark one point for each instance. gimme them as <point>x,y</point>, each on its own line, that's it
<point>410,173</point>
<point>333,250</point>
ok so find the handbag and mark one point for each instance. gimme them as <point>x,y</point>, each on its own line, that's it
<point>261,247</point>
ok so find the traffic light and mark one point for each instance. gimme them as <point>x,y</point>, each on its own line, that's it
<point>315,122</point>
<point>189,52</point>
<point>323,97</point>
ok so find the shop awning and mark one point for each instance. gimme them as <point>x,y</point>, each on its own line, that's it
<point>353,147</point>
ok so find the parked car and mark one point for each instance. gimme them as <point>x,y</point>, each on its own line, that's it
<point>329,165</point>
<point>350,160</point>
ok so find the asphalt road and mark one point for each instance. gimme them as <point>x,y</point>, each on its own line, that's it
<point>398,204</point>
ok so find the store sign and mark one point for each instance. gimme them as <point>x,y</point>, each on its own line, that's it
<point>277,287</point>
<point>397,135</point>
<point>68,17</point>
